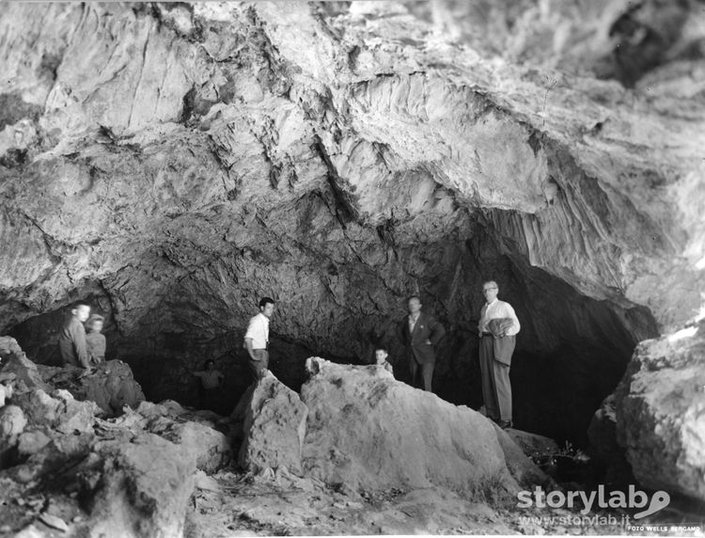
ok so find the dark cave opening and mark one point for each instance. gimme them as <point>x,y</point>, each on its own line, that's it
<point>571,352</point>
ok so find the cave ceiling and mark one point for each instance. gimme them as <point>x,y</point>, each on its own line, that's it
<point>208,153</point>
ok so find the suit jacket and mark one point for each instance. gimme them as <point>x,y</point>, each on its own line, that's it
<point>503,345</point>
<point>427,333</point>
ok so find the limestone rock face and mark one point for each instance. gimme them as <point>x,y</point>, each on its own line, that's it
<point>660,407</point>
<point>174,163</point>
<point>273,420</point>
<point>367,431</point>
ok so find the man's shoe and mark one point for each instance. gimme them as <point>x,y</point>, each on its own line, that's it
<point>504,424</point>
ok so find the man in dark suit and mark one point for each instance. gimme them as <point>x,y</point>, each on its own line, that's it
<point>419,333</point>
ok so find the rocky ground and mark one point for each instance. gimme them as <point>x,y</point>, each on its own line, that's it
<point>72,468</point>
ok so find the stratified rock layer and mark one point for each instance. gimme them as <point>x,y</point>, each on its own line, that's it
<point>660,407</point>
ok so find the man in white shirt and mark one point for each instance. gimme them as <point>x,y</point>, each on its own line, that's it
<point>498,328</point>
<point>257,338</point>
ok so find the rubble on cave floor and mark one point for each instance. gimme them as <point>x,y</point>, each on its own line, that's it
<point>69,469</point>
<point>278,503</point>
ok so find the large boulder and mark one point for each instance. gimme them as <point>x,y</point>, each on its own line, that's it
<point>143,487</point>
<point>660,406</point>
<point>367,431</point>
<point>273,422</point>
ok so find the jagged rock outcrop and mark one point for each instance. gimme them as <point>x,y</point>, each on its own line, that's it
<point>175,162</point>
<point>660,407</point>
<point>126,476</point>
<point>358,429</point>
<point>273,421</point>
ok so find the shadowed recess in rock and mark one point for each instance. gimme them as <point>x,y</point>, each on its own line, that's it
<point>571,353</point>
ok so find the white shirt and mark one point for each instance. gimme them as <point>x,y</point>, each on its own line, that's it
<point>258,330</point>
<point>495,310</point>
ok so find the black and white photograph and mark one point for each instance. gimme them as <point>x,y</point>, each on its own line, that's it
<point>352,268</point>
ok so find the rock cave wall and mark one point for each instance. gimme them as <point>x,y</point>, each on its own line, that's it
<point>172,163</point>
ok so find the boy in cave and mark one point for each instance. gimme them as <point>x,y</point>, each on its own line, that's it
<point>381,356</point>
<point>211,380</point>
<point>72,337</point>
<point>95,341</point>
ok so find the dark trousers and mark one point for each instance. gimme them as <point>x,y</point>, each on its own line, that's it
<point>259,366</point>
<point>426,373</point>
<point>496,387</point>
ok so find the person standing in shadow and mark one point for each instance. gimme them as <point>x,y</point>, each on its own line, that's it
<point>72,337</point>
<point>211,380</point>
<point>420,334</point>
